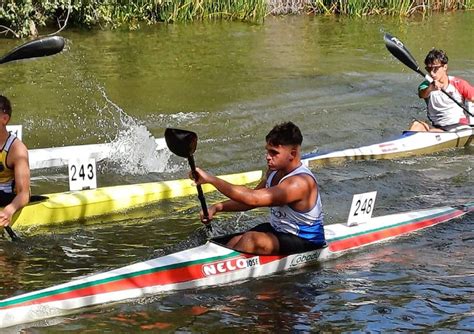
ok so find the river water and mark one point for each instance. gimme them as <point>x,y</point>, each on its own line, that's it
<point>230,83</point>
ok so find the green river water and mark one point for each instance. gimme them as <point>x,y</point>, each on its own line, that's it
<point>230,83</point>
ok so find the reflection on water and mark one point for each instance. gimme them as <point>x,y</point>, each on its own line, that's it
<point>230,83</point>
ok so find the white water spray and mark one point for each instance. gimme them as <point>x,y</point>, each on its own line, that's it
<point>134,150</point>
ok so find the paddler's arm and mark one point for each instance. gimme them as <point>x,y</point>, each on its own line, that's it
<point>231,205</point>
<point>465,88</point>
<point>284,193</point>
<point>18,160</point>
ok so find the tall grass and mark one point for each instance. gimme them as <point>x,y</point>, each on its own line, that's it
<point>189,10</point>
<point>367,7</point>
<point>23,18</point>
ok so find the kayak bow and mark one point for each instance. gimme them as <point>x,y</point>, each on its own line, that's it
<point>210,264</point>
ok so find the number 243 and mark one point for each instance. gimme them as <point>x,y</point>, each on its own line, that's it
<point>81,173</point>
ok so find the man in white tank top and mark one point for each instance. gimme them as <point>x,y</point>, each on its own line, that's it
<point>14,168</point>
<point>443,113</point>
<point>289,189</point>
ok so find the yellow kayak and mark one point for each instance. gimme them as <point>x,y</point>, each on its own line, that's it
<point>79,206</point>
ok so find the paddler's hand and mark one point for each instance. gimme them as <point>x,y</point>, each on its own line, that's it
<point>5,218</point>
<point>212,210</point>
<point>436,85</point>
<point>200,177</point>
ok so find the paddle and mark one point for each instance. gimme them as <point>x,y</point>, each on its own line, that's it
<point>183,143</point>
<point>398,50</point>
<point>41,47</point>
<point>12,234</point>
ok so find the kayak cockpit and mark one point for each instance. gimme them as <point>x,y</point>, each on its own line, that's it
<point>223,240</point>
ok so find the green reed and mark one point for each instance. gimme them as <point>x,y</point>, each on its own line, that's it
<point>189,10</point>
<point>385,7</point>
<point>24,18</point>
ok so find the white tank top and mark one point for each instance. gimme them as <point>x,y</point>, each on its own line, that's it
<point>307,225</point>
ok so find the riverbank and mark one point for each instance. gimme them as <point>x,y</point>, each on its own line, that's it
<point>28,18</point>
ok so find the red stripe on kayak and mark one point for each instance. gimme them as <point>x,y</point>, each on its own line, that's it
<point>360,240</point>
<point>264,259</point>
<point>148,280</point>
<point>171,276</point>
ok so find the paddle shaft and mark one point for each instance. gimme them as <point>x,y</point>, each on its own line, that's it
<point>201,197</point>
<point>12,234</point>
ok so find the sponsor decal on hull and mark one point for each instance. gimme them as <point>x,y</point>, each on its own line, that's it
<point>304,258</point>
<point>388,147</point>
<point>238,263</point>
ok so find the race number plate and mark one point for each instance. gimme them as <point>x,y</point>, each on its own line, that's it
<point>82,174</point>
<point>361,208</point>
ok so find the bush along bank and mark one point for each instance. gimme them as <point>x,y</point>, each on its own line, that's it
<point>25,18</point>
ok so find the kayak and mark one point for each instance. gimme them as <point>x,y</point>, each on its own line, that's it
<point>211,264</point>
<point>82,205</point>
<point>59,156</point>
<point>410,143</point>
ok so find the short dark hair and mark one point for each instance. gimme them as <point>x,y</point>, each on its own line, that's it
<point>436,55</point>
<point>5,105</point>
<point>284,134</point>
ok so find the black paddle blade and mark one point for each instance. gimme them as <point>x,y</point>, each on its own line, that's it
<point>42,47</point>
<point>181,142</point>
<point>398,50</point>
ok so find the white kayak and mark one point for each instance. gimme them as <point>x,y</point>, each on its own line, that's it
<point>410,143</point>
<point>59,156</point>
<point>211,264</point>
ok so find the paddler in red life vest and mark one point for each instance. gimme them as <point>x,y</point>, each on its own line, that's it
<point>444,113</point>
<point>14,168</point>
<point>289,189</point>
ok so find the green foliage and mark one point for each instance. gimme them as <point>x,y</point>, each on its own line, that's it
<point>24,17</point>
<point>188,10</point>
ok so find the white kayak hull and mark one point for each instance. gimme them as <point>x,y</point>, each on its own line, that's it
<point>410,143</point>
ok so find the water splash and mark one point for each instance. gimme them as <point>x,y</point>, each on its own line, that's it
<point>134,150</point>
